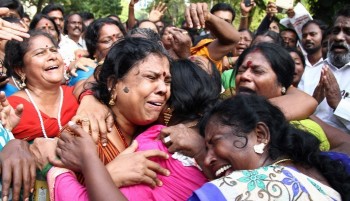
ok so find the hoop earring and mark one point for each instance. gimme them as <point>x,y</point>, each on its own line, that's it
<point>259,148</point>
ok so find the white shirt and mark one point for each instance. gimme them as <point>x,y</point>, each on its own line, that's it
<point>311,76</point>
<point>68,47</point>
<point>339,118</point>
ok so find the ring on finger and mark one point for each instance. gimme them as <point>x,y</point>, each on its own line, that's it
<point>85,120</point>
<point>167,139</point>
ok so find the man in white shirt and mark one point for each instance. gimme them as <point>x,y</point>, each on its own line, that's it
<point>334,87</point>
<point>312,32</point>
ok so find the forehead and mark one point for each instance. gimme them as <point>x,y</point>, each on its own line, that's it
<point>224,14</point>
<point>257,58</point>
<point>288,34</point>
<point>40,41</point>
<point>55,13</point>
<point>294,55</point>
<point>311,28</point>
<point>109,29</point>
<point>44,21</point>
<point>342,21</point>
<point>245,34</point>
<point>75,17</point>
<point>155,63</point>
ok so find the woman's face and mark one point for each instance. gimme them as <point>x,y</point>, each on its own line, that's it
<point>274,27</point>
<point>299,68</point>
<point>256,75</point>
<point>109,34</point>
<point>48,27</point>
<point>226,151</point>
<point>166,38</point>
<point>243,43</point>
<point>143,92</point>
<point>43,65</point>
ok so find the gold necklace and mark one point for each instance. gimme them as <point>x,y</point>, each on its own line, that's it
<point>281,161</point>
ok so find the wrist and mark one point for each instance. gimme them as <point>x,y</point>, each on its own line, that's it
<point>85,93</point>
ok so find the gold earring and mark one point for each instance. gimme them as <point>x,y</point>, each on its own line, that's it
<point>167,115</point>
<point>22,83</point>
<point>111,101</point>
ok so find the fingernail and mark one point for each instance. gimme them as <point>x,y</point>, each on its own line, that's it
<point>32,190</point>
<point>71,123</point>
<point>160,183</point>
<point>109,129</point>
<point>27,199</point>
<point>4,198</point>
<point>167,172</point>
<point>104,144</point>
<point>198,27</point>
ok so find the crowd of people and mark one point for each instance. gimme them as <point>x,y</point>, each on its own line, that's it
<point>99,109</point>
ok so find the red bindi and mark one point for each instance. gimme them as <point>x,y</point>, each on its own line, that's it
<point>249,63</point>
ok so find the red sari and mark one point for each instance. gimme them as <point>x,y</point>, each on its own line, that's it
<point>29,126</point>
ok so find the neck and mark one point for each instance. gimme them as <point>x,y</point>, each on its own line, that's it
<point>74,38</point>
<point>128,130</point>
<point>315,57</point>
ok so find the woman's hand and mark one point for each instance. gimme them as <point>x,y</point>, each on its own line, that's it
<point>180,42</point>
<point>245,10</point>
<point>183,139</point>
<point>75,147</point>
<point>196,14</point>
<point>17,168</point>
<point>44,152</point>
<point>157,12</point>
<point>81,63</point>
<point>271,9</point>
<point>96,119</point>
<point>9,117</point>
<point>9,31</point>
<point>131,167</point>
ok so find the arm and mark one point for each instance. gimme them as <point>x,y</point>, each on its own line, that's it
<point>339,141</point>
<point>271,10</point>
<point>245,12</point>
<point>226,35</point>
<point>295,105</point>
<point>131,16</point>
<point>99,184</point>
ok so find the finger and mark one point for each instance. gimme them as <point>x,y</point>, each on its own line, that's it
<point>95,128</point>
<point>17,183</point>
<point>6,180</point>
<point>148,181</point>
<point>157,168</point>
<point>56,162</point>
<point>32,177</point>
<point>131,149</point>
<point>84,68</point>
<point>109,121</point>
<point>19,110</point>
<point>188,17</point>
<point>200,14</point>
<point>102,134</point>
<point>26,181</point>
<point>155,153</point>
<point>85,124</point>
<point>203,16</point>
<point>194,16</point>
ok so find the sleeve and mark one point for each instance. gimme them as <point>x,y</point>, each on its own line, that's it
<point>264,25</point>
<point>342,112</point>
<point>64,186</point>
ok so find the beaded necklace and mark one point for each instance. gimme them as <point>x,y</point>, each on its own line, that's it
<point>39,114</point>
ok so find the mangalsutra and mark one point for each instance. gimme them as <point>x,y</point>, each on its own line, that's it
<point>281,161</point>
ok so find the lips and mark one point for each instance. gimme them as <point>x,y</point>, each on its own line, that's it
<point>51,68</point>
<point>246,90</point>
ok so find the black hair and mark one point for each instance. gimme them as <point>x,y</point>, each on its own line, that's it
<point>138,23</point>
<point>298,52</point>
<point>223,7</point>
<point>193,91</point>
<point>243,112</point>
<point>13,5</point>
<point>278,57</point>
<point>12,20</point>
<point>39,16</point>
<point>146,33</point>
<point>121,58</point>
<point>290,30</point>
<point>345,12</point>
<point>93,31</point>
<point>323,26</point>
<point>52,7</point>
<point>247,30</point>
<point>116,16</point>
<point>66,19</point>
<point>86,15</point>
<point>25,15</point>
<point>15,51</point>
<point>273,35</point>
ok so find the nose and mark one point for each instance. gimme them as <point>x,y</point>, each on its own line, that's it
<point>244,76</point>
<point>163,87</point>
<point>340,36</point>
<point>210,158</point>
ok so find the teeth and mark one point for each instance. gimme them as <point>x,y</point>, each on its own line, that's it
<point>222,169</point>
<point>157,104</point>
